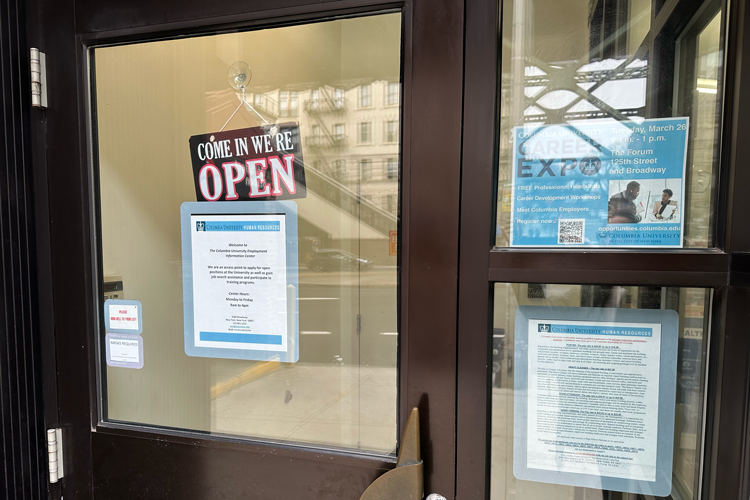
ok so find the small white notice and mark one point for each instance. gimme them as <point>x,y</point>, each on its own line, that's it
<point>124,350</point>
<point>123,316</point>
<point>239,281</point>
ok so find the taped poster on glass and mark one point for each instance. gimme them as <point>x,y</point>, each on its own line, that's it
<point>603,184</point>
<point>124,350</point>
<point>594,393</point>
<point>123,316</point>
<point>240,280</point>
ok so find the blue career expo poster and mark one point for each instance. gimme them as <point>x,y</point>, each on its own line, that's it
<point>604,184</point>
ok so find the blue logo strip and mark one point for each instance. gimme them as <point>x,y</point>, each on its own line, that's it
<point>213,225</point>
<point>243,338</point>
<point>603,330</point>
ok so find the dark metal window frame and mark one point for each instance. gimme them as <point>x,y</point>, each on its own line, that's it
<point>725,269</point>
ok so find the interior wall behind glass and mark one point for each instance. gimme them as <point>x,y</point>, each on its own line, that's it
<point>150,99</point>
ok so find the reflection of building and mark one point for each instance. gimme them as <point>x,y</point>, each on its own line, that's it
<point>350,139</point>
<point>350,136</point>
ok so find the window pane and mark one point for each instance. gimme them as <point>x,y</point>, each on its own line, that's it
<point>586,380</point>
<point>391,131</point>
<point>365,95</point>
<point>391,96</point>
<point>150,99</point>
<point>293,104</point>
<point>339,99</point>
<point>365,168</point>
<point>609,137</point>
<point>364,133</point>
<point>392,169</point>
<point>283,101</point>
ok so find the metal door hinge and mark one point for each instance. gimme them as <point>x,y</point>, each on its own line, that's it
<point>55,451</point>
<point>38,79</point>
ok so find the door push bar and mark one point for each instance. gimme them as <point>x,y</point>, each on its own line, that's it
<point>406,481</point>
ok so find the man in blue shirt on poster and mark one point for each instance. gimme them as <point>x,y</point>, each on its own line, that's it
<point>622,209</point>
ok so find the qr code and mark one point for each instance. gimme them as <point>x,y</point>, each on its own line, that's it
<point>570,231</point>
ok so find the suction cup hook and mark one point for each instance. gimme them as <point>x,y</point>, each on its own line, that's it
<point>239,76</point>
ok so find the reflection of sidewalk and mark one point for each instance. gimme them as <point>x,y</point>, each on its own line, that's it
<point>378,276</point>
<point>229,381</point>
<point>339,405</point>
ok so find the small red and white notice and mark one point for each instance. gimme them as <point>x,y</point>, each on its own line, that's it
<point>123,317</point>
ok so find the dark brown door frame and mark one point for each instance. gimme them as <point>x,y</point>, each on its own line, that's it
<point>726,269</point>
<point>110,461</point>
<point>23,358</point>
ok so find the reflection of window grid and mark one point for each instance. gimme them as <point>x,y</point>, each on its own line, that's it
<point>365,168</point>
<point>391,169</point>
<point>316,130</point>
<point>391,94</point>
<point>339,130</point>
<point>365,96</point>
<point>391,131</point>
<point>293,102</point>
<point>364,133</point>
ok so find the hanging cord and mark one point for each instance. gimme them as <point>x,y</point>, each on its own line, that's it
<point>242,101</point>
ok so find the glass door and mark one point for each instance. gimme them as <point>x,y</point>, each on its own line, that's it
<point>251,275</point>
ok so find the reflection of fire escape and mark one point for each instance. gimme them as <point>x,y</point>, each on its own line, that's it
<point>320,181</point>
<point>289,112</point>
<point>349,201</point>
<point>316,109</point>
<point>266,106</point>
<point>324,180</point>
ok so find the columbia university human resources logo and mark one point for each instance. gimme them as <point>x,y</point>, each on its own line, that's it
<point>545,328</point>
<point>200,225</point>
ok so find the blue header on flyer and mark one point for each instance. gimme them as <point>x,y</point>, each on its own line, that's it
<point>596,330</point>
<point>600,184</point>
<point>213,225</point>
